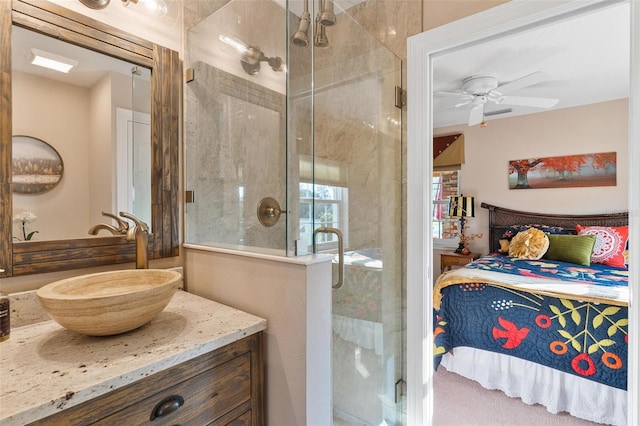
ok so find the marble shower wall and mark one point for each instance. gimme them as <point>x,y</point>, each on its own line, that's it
<point>235,156</point>
<point>235,132</point>
<point>389,21</point>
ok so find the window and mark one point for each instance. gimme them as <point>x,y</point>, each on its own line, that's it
<point>331,210</point>
<point>445,184</point>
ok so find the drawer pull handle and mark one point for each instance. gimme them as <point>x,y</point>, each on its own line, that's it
<point>167,406</point>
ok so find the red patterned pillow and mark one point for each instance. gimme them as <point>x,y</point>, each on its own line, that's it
<point>611,244</point>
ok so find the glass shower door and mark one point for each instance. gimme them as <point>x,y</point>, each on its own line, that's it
<point>356,188</point>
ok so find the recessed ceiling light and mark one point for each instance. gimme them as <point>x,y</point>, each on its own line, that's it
<point>52,61</point>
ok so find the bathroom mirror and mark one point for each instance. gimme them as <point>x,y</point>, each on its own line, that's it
<point>96,118</point>
<point>28,257</point>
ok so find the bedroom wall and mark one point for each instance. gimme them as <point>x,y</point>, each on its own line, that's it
<point>588,129</point>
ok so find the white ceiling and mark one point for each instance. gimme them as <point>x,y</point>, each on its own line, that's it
<point>92,66</point>
<point>586,58</point>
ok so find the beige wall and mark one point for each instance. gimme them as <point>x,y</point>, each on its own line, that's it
<point>295,299</point>
<point>588,129</point>
<point>59,106</point>
<point>439,12</point>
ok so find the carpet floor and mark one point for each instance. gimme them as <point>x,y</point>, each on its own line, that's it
<point>459,401</point>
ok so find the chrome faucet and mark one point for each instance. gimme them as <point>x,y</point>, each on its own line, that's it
<point>140,233</point>
<point>119,230</point>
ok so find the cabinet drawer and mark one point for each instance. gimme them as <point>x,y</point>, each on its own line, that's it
<point>206,396</point>
<point>458,261</point>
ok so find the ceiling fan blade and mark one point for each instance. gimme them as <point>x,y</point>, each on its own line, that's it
<point>456,94</point>
<point>528,101</point>
<point>476,115</point>
<point>526,81</point>
<point>467,102</point>
<point>497,112</point>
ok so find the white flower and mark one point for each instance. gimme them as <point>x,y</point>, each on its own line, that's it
<point>24,217</point>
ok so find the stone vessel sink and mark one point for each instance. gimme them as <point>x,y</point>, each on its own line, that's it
<point>109,303</point>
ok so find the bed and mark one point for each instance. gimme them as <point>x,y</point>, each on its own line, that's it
<point>547,330</point>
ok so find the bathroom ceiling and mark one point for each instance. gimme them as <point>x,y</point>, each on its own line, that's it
<point>586,59</point>
<point>92,66</point>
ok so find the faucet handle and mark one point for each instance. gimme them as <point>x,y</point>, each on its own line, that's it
<point>122,225</point>
<point>140,224</point>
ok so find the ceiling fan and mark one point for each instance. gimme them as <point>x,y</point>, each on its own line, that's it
<point>478,90</point>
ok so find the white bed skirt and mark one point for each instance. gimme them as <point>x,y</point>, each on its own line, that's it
<point>537,384</point>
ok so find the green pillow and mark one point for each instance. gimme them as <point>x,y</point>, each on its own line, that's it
<point>570,248</point>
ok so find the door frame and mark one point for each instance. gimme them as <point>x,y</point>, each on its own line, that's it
<point>508,18</point>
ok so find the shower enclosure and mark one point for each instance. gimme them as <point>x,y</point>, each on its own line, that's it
<point>295,103</point>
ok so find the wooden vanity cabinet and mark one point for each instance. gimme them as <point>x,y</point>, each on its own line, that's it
<point>222,387</point>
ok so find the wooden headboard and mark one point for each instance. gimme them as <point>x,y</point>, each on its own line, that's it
<point>500,219</point>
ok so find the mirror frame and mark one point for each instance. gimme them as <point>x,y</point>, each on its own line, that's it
<point>510,17</point>
<point>32,257</point>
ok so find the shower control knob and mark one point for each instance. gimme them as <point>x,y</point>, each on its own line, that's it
<point>269,211</point>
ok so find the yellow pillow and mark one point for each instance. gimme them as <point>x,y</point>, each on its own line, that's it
<point>504,246</point>
<point>531,244</point>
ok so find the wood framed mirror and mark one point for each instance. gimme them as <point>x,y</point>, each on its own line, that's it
<point>31,257</point>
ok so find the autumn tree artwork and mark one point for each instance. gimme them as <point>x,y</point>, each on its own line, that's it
<point>564,171</point>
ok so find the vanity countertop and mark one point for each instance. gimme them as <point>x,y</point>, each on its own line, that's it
<point>45,368</point>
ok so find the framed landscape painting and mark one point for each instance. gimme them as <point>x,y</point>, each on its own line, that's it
<point>564,171</point>
<point>37,166</point>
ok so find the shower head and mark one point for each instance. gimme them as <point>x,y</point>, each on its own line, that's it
<point>320,39</point>
<point>301,37</point>
<point>326,15</point>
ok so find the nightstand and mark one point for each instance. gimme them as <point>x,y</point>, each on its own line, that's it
<point>447,260</point>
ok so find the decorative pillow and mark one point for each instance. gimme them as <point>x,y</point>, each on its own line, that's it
<point>531,244</point>
<point>611,244</point>
<point>504,246</point>
<point>571,248</point>
<point>514,229</point>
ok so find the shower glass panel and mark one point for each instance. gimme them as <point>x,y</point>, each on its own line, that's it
<point>317,129</point>
<point>236,126</point>
<point>357,189</point>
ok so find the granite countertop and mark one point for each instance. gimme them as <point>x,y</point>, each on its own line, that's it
<point>46,368</point>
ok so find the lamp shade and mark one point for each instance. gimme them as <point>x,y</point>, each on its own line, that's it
<point>461,206</point>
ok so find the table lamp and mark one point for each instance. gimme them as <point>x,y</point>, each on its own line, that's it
<point>462,207</point>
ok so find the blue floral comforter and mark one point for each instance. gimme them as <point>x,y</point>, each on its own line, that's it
<point>582,334</point>
<point>597,273</point>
